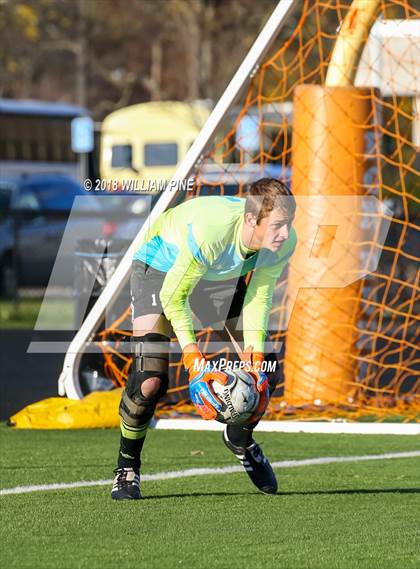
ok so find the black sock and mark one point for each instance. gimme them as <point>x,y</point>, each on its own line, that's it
<point>129,454</point>
<point>131,444</point>
<point>240,435</point>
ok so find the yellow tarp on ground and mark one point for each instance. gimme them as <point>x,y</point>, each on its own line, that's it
<point>96,410</point>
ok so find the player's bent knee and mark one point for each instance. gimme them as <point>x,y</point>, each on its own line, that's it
<point>148,378</point>
<point>150,387</point>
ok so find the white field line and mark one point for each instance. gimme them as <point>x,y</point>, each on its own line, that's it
<point>209,471</point>
<point>329,427</point>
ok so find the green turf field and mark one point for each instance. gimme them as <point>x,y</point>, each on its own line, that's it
<point>349,515</point>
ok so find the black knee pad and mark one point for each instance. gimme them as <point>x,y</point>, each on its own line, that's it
<point>150,359</point>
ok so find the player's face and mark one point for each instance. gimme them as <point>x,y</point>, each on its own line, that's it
<point>273,230</point>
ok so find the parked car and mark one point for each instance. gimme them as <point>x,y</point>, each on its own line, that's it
<point>125,211</point>
<point>34,217</point>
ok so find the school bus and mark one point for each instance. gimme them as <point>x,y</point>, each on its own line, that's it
<point>36,138</point>
<point>147,141</point>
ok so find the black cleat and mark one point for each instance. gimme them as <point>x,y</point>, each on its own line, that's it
<point>126,484</point>
<point>256,465</point>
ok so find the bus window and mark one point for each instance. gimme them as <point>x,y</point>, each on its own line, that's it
<point>122,156</point>
<point>36,136</point>
<point>7,139</point>
<point>161,154</point>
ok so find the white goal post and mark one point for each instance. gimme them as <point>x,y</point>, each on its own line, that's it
<point>68,383</point>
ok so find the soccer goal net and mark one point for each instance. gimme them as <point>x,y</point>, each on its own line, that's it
<point>332,107</point>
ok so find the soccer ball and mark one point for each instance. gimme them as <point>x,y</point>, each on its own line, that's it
<point>239,397</point>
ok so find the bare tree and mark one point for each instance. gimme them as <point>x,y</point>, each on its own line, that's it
<point>106,54</point>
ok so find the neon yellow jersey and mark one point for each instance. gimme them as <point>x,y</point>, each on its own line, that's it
<point>201,239</point>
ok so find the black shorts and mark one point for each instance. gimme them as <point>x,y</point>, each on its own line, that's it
<point>210,301</point>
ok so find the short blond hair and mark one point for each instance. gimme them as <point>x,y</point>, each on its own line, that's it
<point>274,194</point>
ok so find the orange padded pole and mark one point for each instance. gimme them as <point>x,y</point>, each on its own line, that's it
<point>330,125</point>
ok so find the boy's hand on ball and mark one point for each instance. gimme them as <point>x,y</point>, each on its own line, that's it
<point>202,396</point>
<point>261,407</point>
<point>261,380</point>
<point>255,361</point>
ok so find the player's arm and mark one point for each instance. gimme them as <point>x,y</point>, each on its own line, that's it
<point>177,286</point>
<point>256,312</point>
<point>257,307</point>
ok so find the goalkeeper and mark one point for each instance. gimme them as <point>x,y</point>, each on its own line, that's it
<point>194,259</point>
